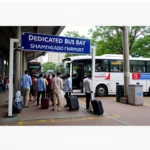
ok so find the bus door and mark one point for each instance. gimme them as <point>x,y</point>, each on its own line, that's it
<point>77,77</point>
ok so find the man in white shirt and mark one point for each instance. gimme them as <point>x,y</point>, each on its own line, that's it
<point>88,90</point>
<point>57,86</point>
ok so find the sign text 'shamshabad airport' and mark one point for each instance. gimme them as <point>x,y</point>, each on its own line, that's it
<point>55,43</point>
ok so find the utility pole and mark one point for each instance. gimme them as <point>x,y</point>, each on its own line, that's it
<point>126,63</point>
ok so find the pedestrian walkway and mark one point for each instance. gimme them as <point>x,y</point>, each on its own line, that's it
<point>35,113</point>
<point>116,114</point>
<point>3,103</point>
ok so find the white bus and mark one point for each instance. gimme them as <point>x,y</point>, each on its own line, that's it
<point>108,72</point>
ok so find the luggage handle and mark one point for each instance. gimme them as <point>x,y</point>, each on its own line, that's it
<point>44,95</point>
<point>69,94</point>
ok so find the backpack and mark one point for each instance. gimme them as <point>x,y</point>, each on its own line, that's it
<point>17,104</point>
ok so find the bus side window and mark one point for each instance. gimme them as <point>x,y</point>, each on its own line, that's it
<point>137,66</point>
<point>101,65</point>
<point>148,66</point>
<point>141,66</point>
<point>133,66</point>
<point>116,65</point>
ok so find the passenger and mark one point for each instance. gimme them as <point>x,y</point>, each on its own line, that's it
<point>48,78</point>
<point>33,92</point>
<point>6,82</point>
<point>41,88</point>
<point>46,83</point>
<point>26,83</point>
<point>68,89</point>
<point>57,86</point>
<point>51,89</point>
<point>88,90</point>
<point>48,86</point>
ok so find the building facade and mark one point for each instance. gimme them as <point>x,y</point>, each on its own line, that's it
<point>39,59</point>
<point>56,57</point>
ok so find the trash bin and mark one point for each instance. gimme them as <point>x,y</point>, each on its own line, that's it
<point>135,94</point>
<point>119,92</point>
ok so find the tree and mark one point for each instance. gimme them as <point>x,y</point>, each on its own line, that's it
<point>108,39</point>
<point>57,68</point>
<point>142,47</point>
<point>74,34</point>
<point>48,66</point>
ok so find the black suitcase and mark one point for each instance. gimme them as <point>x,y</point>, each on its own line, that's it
<point>97,107</point>
<point>73,102</point>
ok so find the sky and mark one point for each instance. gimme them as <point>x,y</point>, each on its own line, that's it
<point>82,30</point>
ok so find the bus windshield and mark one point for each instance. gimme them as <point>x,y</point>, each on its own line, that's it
<point>34,68</point>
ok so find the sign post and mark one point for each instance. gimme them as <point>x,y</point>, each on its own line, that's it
<point>11,66</point>
<point>93,73</point>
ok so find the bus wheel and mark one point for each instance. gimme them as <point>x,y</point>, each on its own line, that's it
<point>101,90</point>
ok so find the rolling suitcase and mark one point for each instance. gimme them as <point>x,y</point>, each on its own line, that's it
<point>97,107</point>
<point>73,102</point>
<point>44,103</point>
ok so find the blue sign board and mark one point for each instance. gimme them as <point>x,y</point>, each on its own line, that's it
<point>48,43</point>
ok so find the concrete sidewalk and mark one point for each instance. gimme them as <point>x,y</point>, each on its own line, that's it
<point>35,113</point>
<point>116,114</point>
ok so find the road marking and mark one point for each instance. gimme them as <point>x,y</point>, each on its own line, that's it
<point>84,118</point>
<point>123,122</point>
<point>113,116</point>
<point>67,120</point>
<point>20,123</point>
<point>52,120</point>
<point>42,121</point>
<point>116,115</point>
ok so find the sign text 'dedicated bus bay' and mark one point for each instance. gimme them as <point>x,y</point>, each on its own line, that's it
<point>48,43</point>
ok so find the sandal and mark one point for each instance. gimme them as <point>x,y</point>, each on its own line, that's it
<point>59,110</point>
<point>53,109</point>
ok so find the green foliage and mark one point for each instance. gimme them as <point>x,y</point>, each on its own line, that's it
<point>108,39</point>
<point>74,34</point>
<point>57,68</point>
<point>142,47</point>
<point>48,66</point>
